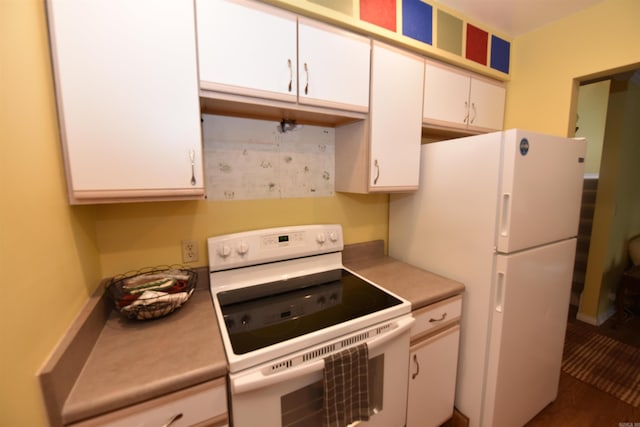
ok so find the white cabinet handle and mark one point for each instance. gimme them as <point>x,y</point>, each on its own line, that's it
<point>440,319</point>
<point>377,166</point>
<point>290,74</point>
<point>306,87</point>
<point>192,156</point>
<point>466,112</point>
<point>415,360</point>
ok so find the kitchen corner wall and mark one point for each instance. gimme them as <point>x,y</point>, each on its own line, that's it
<point>546,63</point>
<point>52,255</point>
<point>48,254</point>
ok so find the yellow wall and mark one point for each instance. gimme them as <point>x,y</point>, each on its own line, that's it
<point>542,94</point>
<point>48,255</point>
<point>592,114</point>
<point>52,255</point>
<point>147,234</point>
<point>544,63</point>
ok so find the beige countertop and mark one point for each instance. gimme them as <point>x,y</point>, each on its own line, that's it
<point>419,287</point>
<point>133,361</point>
<point>124,362</point>
<point>106,362</point>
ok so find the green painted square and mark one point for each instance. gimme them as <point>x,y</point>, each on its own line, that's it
<point>449,33</point>
<point>343,6</point>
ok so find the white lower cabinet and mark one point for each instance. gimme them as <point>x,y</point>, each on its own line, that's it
<point>201,405</point>
<point>433,364</point>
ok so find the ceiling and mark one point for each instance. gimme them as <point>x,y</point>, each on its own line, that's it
<point>517,17</point>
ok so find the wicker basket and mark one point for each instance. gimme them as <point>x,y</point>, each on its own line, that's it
<point>151,293</point>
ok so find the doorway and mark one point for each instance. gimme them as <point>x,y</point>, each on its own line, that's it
<point>607,116</point>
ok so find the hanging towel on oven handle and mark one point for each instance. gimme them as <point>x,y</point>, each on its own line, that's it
<point>346,387</point>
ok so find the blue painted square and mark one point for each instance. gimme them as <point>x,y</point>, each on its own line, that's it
<point>500,54</point>
<point>417,20</point>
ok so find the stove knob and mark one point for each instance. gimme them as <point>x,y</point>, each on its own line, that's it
<point>333,236</point>
<point>242,248</point>
<point>224,251</point>
<point>320,238</point>
<point>333,298</point>
<point>322,300</point>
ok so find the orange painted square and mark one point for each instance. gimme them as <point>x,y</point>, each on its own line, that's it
<point>379,12</point>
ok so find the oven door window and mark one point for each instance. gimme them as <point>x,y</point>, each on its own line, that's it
<point>303,407</point>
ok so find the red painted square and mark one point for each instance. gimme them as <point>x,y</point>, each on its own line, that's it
<point>477,44</point>
<point>379,12</point>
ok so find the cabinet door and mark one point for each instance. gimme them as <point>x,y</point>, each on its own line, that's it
<point>432,379</point>
<point>127,91</point>
<point>486,105</point>
<point>395,117</point>
<point>247,48</point>
<point>446,96</point>
<point>333,67</point>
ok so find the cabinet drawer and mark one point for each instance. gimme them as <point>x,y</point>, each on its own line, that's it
<point>436,316</point>
<point>202,405</point>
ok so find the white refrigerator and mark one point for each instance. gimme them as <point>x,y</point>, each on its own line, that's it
<point>499,212</point>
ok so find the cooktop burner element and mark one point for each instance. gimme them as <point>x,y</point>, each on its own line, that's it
<point>280,290</point>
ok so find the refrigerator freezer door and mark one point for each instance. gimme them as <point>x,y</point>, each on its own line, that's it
<point>529,316</point>
<point>541,190</point>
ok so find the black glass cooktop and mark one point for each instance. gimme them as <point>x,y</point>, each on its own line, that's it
<point>263,315</point>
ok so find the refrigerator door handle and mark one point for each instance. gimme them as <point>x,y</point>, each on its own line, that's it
<point>505,215</point>
<point>500,292</point>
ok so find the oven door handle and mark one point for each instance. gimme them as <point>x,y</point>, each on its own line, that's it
<point>401,326</point>
<point>256,380</point>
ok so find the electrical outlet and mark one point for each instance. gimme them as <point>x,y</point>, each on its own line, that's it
<point>189,251</point>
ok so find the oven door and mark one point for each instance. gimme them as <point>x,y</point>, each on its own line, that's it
<point>293,397</point>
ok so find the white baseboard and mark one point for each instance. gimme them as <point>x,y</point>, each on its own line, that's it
<point>597,321</point>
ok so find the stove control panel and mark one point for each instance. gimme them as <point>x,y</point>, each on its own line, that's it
<point>272,244</point>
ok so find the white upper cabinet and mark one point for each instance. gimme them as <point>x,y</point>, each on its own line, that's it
<point>486,105</point>
<point>333,67</point>
<point>396,109</point>
<point>461,100</point>
<point>127,92</point>
<point>382,153</point>
<point>247,48</point>
<point>250,49</point>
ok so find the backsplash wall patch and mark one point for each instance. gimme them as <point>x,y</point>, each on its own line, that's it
<point>253,159</point>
